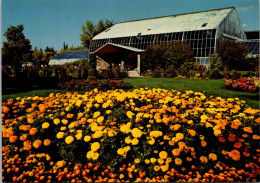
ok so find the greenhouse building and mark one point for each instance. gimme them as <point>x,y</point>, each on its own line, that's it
<point>123,43</point>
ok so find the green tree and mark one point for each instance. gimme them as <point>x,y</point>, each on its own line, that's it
<point>49,53</point>
<point>37,57</point>
<point>17,49</point>
<point>232,54</point>
<point>89,30</point>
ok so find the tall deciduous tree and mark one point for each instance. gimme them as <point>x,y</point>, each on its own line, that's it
<point>89,30</point>
<point>17,49</point>
<point>49,53</point>
<point>37,56</point>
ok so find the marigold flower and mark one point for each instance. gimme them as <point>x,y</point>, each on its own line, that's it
<point>78,136</point>
<point>156,134</point>
<point>248,129</point>
<point>136,133</point>
<point>165,167</point>
<point>212,157</point>
<point>135,141</point>
<point>56,121</point>
<point>235,155</point>
<point>256,137</point>
<point>47,142</point>
<point>153,160</point>
<point>95,146</point>
<point>137,161</point>
<point>70,116</point>
<point>221,139</point>
<point>13,139</point>
<point>97,134</point>
<point>130,114</point>
<point>64,121</point>
<point>60,164</point>
<point>37,144</point>
<point>45,125</point>
<point>23,137</point>
<point>179,136</point>
<point>60,135</point>
<point>176,152</point>
<point>163,154</point>
<point>237,145</point>
<point>95,156</point>
<point>90,154</point>
<point>203,143</point>
<point>27,145</point>
<point>121,151</point>
<point>160,161</point>
<point>147,161</point>
<point>192,133</point>
<point>33,131</point>
<point>87,138</point>
<point>178,161</point>
<point>232,137</point>
<point>100,119</point>
<point>203,159</point>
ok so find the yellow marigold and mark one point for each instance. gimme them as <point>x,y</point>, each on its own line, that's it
<point>90,154</point>
<point>45,125</point>
<point>63,128</point>
<point>60,135</point>
<point>165,167</point>
<point>37,144</point>
<point>147,161</point>
<point>130,114</point>
<point>156,134</point>
<point>95,146</point>
<point>178,161</point>
<point>112,133</point>
<point>163,154</point>
<point>135,141</point>
<point>100,119</point>
<point>78,136</point>
<point>97,134</point>
<point>128,140</point>
<point>137,161</point>
<point>125,128</point>
<point>153,160</point>
<point>87,138</point>
<point>176,152</point>
<point>121,151</point>
<point>203,159</point>
<point>151,141</point>
<point>203,118</point>
<point>121,97</point>
<point>217,133</point>
<point>137,133</point>
<point>60,164</point>
<point>108,111</point>
<point>175,127</point>
<point>69,139</point>
<point>179,136</point>
<point>64,121</point>
<point>156,168</point>
<point>95,156</point>
<point>160,161</point>
<point>105,105</point>
<point>212,157</point>
<point>127,148</point>
<point>56,121</point>
<point>168,160</point>
<point>96,114</point>
<point>78,103</point>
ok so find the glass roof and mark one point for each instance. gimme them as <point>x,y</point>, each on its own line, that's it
<point>73,55</point>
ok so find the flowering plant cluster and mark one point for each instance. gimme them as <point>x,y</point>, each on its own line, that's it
<point>140,135</point>
<point>243,84</point>
<point>87,85</point>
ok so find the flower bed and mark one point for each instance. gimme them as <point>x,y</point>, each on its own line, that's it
<point>243,84</point>
<point>87,85</point>
<point>140,135</point>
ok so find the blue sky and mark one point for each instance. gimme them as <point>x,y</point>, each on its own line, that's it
<point>51,22</point>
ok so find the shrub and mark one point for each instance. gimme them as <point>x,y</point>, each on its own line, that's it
<point>170,72</point>
<point>187,69</point>
<point>158,73</point>
<point>215,74</point>
<point>215,62</point>
<point>232,54</point>
<point>91,83</point>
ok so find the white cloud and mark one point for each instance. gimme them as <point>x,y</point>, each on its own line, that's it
<point>244,25</point>
<point>244,9</point>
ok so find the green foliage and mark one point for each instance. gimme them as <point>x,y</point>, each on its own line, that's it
<point>215,62</point>
<point>90,30</point>
<point>252,63</point>
<point>162,56</point>
<point>17,49</point>
<point>187,68</point>
<point>37,57</point>
<point>170,72</point>
<point>232,54</point>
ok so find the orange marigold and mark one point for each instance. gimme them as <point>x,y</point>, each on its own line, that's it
<point>237,145</point>
<point>178,161</point>
<point>192,133</point>
<point>37,144</point>
<point>221,139</point>
<point>26,127</point>
<point>235,155</point>
<point>23,137</point>
<point>232,138</point>
<point>203,143</point>
<point>256,137</point>
<point>13,139</point>
<point>46,142</point>
<point>203,159</point>
<point>27,145</point>
<point>69,116</point>
<point>33,131</point>
<point>248,129</point>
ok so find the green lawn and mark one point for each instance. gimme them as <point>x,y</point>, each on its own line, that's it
<point>209,87</point>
